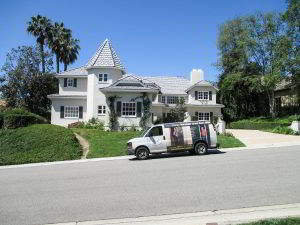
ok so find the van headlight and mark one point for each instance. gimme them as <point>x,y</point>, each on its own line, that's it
<point>129,145</point>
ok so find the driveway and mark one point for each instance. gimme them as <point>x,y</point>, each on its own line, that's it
<point>255,138</point>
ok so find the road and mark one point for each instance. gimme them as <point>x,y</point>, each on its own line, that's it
<point>163,185</point>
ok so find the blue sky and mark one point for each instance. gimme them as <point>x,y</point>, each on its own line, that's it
<point>151,37</point>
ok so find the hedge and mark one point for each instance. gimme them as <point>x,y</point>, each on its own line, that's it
<point>14,118</point>
<point>256,125</point>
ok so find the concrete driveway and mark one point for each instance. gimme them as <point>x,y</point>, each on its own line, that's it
<point>256,138</point>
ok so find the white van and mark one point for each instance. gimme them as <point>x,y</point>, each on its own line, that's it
<point>195,137</point>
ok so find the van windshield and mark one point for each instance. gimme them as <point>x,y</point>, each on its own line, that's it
<point>145,131</point>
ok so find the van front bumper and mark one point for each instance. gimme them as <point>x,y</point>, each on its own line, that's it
<point>130,151</point>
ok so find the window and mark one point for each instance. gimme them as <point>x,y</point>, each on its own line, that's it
<point>203,116</point>
<point>101,109</point>
<point>155,131</point>
<point>70,82</point>
<point>172,99</point>
<point>71,111</point>
<point>103,77</point>
<point>129,109</point>
<point>203,95</point>
<point>163,99</point>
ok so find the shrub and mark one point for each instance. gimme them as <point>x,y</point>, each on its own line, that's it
<point>256,125</point>
<point>76,125</point>
<point>285,130</point>
<point>228,134</point>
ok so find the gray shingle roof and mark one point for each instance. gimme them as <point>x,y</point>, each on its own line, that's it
<point>105,57</point>
<point>80,71</point>
<point>170,85</point>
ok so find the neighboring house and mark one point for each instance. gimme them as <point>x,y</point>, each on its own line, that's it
<point>84,91</point>
<point>285,95</point>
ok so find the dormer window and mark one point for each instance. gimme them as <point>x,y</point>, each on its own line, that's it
<point>203,95</point>
<point>103,77</point>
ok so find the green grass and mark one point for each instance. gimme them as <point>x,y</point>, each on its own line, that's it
<point>106,144</point>
<point>38,143</point>
<point>285,221</point>
<point>226,141</point>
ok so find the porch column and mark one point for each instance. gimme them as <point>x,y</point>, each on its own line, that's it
<point>91,93</point>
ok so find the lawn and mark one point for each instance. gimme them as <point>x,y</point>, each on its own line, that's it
<point>106,144</point>
<point>284,221</point>
<point>226,141</point>
<point>285,119</point>
<point>38,143</point>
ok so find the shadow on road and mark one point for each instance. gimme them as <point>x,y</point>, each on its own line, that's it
<point>179,154</point>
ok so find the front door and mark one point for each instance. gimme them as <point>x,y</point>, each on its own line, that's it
<point>156,140</point>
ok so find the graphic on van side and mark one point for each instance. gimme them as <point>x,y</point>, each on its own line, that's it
<point>182,137</point>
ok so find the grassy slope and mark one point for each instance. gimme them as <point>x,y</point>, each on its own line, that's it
<point>106,144</point>
<point>285,221</point>
<point>38,143</point>
<point>229,142</point>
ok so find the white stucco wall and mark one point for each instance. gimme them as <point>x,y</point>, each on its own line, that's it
<point>201,102</point>
<point>55,111</point>
<point>81,88</point>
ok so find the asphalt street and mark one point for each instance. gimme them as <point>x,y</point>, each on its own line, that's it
<point>161,185</point>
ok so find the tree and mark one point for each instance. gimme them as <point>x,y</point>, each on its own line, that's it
<point>70,50</point>
<point>177,114</point>
<point>268,48</point>
<point>292,18</point>
<point>40,27</point>
<point>60,35</point>
<point>238,89</point>
<point>23,85</point>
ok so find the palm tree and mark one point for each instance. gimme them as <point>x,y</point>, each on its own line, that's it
<point>70,50</point>
<point>60,35</point>
<point>40,27</point>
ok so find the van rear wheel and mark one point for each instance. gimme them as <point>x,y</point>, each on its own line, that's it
<point>200,148</point>
<point>142,153</point>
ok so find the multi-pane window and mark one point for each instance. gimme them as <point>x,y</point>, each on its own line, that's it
<point>203,116</point>
<point>70,82</point>
<point>103,77</point>
<point>163,99</point>
<point>129,109</point>
<point>203,95</point>
<point>101,109</point>
<point>172,99</point>
<point>71,111</point>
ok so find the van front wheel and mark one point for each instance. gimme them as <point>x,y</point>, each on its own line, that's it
<point>200,149</point>
<point>142,153</point>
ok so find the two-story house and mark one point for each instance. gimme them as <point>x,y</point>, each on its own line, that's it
<point>84,93</point>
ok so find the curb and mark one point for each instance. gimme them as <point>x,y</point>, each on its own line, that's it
<point>221,217</point>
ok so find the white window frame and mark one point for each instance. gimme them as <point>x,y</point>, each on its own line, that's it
<point>202,95</point>
<point>70,82</point>
<point>173,98</point>
<point>123,112</point>
<point>163,99</point>
<point>76,110</point>
<point>102,109</point>
<point>203,116</point>
<point>103,77</point>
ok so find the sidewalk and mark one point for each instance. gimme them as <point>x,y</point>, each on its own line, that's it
<point>254,138</point>
<point>221,217</point>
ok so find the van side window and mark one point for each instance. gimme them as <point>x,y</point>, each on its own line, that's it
<point>155,131</point>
